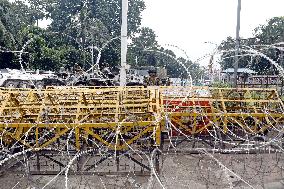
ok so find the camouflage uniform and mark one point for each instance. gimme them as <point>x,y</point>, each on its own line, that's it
<point>152,81</point>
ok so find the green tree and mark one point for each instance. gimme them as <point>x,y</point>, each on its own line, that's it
<point>265,35</point>
<point>13,17</point>
<point>36,10</point>
<point>270,33</point>
<point>143,47</point>
<point>94,22</point>
<point>75,26</point>
<point>50,51</point>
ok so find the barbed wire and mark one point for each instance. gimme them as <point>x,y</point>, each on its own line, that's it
<point>242,158</point>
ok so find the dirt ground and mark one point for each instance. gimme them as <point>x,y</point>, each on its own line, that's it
<point>211,171</point>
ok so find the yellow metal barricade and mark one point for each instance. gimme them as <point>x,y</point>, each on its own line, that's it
<point>118,117</point>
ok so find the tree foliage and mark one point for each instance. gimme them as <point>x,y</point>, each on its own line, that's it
<point>77,25</point>
<point>264,36</point>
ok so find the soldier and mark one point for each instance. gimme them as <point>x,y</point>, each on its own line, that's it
<point>152,80</point>
<point>78,69</point>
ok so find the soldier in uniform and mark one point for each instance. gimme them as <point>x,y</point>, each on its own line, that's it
<point>78,69</point>
<point>152,80</point>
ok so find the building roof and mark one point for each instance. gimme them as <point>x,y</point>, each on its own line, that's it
<point>240,70</point>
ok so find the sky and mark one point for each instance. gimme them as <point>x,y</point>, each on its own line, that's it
<point>191,24</point>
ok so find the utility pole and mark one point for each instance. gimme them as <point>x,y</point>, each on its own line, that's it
<point>237,47</point>
<point>93,62</point>
<point>123,42</point>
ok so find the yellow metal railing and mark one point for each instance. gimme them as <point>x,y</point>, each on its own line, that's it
<point>118,117</point>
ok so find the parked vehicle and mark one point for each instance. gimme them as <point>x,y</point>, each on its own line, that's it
<point>12,78</point>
